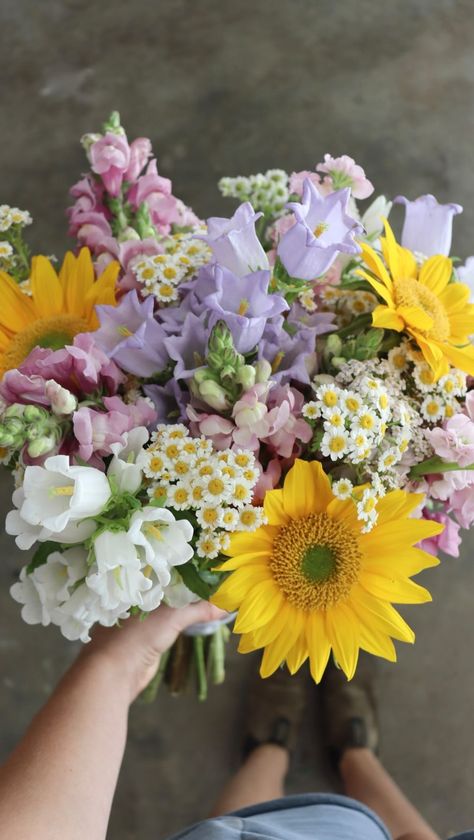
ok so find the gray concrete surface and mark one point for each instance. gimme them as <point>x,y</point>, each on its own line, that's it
<point>228,88</point>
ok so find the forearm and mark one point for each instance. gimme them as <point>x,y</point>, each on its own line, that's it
<point>59,782</point>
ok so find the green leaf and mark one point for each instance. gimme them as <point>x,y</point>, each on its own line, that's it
<point>192,579</point>
<point>436,465</point>
<point>41,555</point>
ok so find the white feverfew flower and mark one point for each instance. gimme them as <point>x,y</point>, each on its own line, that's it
<point>389,458</point>
<point>335,444</point>
<point>230,519</point>
<point>334,418</point>
<point>57,493</point>
<point>209,517</point>
<point>424,377</point>
<point>342,488</point>
<point>307,300</point>
<point>217,488</point>
<point>179,496</point>
<point>311,410</point>
<point>366,421</point>
<point>432,408</point>
<point>397,359</point>
<point>208,545</point>
<point>453,384</point>
<point>241,493</point>
<point>6,250</point>
<point>329,396</point>
<point>367,506</point>
<point>250,518</point>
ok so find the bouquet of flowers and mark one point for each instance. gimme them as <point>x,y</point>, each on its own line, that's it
<point>270,411</point>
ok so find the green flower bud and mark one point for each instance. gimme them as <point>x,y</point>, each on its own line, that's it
<point>246,376</point>
<point>143,223</point>
<point>263,370</point>
<point>15,410</point>
<point>203,375</point>
<point>6,439</point>
<point>41,446</point>
<point>323,379</point>
<point>128,234</point>
<point>34,414</point>
<point>333,345</point>
<point>214,395</point>
<point>338,362</point>
<point>14,426</point>
<point>113,124</point>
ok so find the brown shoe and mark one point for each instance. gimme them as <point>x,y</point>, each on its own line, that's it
<point>349,708</point>
<point>275,709</point>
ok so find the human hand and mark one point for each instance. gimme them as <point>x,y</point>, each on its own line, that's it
<point>132,651</point>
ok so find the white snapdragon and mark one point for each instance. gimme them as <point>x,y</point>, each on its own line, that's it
<point>123,466</point>
<point>57,494</point>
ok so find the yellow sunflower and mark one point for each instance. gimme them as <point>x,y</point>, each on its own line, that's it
<point>423,303</point>
<point>59,307</point>
<point>310,581</point>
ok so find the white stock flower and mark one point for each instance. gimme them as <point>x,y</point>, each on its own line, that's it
<point>58,493</point>
<point>123,466</point>
<point>116,575</point>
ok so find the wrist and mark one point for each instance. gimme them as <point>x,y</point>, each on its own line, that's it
<point>115,678</point>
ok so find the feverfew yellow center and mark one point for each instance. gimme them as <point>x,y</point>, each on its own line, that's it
<point>315,561</point>
<point>410,292</point>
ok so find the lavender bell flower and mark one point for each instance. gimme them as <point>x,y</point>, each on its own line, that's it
<point>428,225</point>
<point>130,335</point>
<point>189,348</point>
<point>244,304</point>
<point>169,400</point>
<point>235,243</point>
<point>292,357</point>
<point>323,229</point>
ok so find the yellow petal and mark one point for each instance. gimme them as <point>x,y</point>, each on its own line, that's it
<point>247,643</point>
<point>259,607</point>
<point>375,265</point>
<point>250,558</point>
<point>376,642</point>
<point>77,277</point>
<point>318,644</point>
<point>436,273</point>
<point>387,319</point>
<point>46,288</point>
<point>381,614</point>
<point>378,287</point>
<point>407,262</point>
<point>307,489</point>
<point>415,317</point>
<point>276,652</point>
<point>396,504</point>
<point>395,564</point>
<point>102,291</point>
<point>462,326</point>
<point>390,251</point>
<point>239,584</point>
<point>274,508</point>
<point>460,357</point>
<point>242,542</point>
<point>399,534</point>
<point>16,309</point>
<point>342,629</point>
<point>264,635</point>
<point>297,655</point>
<point>395,590</point>
<point>344,511</point>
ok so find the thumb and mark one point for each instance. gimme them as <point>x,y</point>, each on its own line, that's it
<point>201,611</point>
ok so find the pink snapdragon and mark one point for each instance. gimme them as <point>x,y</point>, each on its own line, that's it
<point>461,504</point>
<point>110,158</point>
<point>297,180</point>
<point>287,427</point>
<point>97,431</point>
<point>449,539</point>
<point>140,151</point>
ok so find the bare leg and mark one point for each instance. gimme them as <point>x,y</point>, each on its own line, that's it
<point>260,778</point>
<point>367,780</point>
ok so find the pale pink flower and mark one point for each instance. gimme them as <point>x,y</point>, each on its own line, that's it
<point>297,180</point>
<point>269,479</point>
<point>455,441</point>
<point>461,504</point>
<point>212,426</point>
<point>345,172</point>
<point>286,426</point>
<point>140,151</point>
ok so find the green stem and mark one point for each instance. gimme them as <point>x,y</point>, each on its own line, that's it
<point>149,693</point>
<point>217,656</point>
<point>200,667</point>
<point>357,324</point>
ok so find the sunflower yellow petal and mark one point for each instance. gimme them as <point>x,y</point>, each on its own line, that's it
<point>298,654</point>
<point>342,629</point>
<point>415,317</point>
<point>375,265</point>
<point>387,319</point>
<point>77,278</point>
<point>250,558</point>
<point>238,585</point>
<point>46,288</point>
<point>396,564</point>
<point>318,644</point>
<point>16,310</point>
<point>276,652</point>
<point>274,508</point>
<point>395,590</point>
<point>390,250</point>
<point>306,490</point>
<point>264,635</point>
<point>396,504</point>
<point>376,642</point>
<point>436,272</point>
<point>378,287</point>
<point>461,357</point>
<point>382,615</point>
<point>259,607</point>
<point>398,534</point>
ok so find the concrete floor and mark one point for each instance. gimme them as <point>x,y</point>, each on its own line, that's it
<point>228,88</point>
